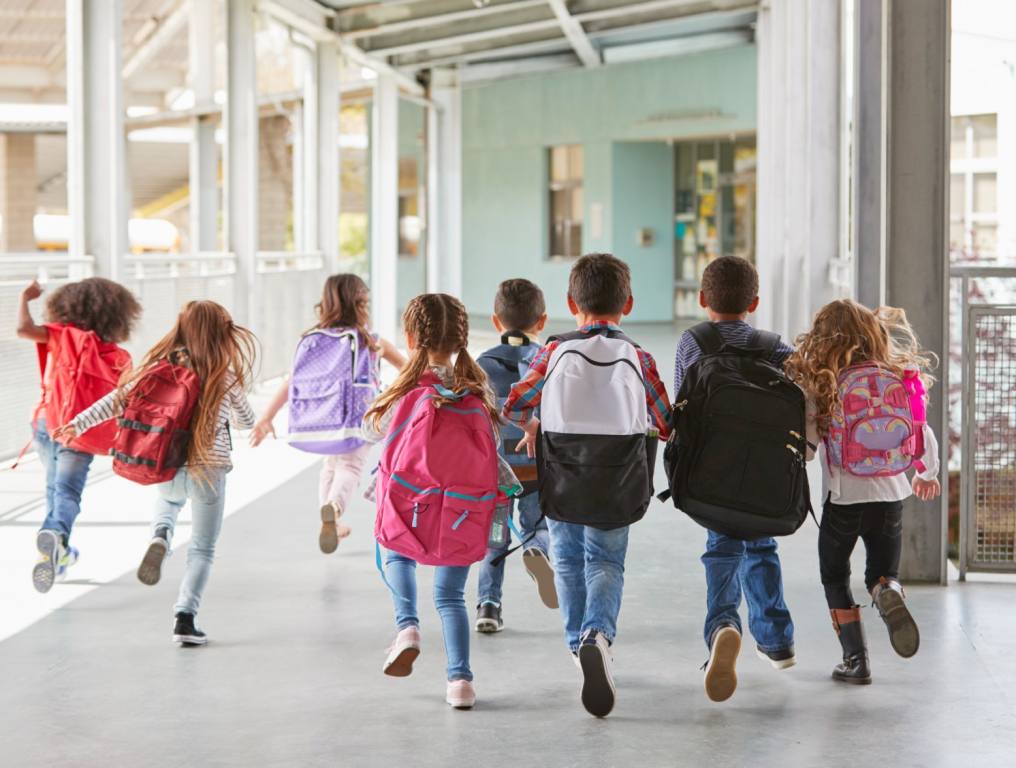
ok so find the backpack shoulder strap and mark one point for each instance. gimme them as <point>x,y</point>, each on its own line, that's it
<point>570,336</point>
<point>708,337</point>
<point>767,341</point>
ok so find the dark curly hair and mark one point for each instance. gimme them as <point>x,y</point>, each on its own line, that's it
<point>95,304</point>
<point>730,285</point>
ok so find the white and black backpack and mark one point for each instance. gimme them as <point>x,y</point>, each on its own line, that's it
<point>595,456</point>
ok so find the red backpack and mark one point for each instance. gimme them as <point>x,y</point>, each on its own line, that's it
<point>85,369</point>
<point>154,430</point>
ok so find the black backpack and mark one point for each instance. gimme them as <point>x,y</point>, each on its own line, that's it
<point>736,458</point>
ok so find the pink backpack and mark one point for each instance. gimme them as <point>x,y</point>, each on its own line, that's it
<point>878,432</point>
<point>437,478</point>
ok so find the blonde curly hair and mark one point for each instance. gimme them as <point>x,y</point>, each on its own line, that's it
<point>845,333</point>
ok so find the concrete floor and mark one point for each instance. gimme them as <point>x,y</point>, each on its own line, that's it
<point>292,675</point>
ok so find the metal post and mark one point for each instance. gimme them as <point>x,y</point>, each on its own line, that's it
<point>444,185</point>
<point>204,161</point>
<point>384,213</point>
<point>97,198</point>
<point>329,65</point>
<point>241,117</point>
<point>306,144</point>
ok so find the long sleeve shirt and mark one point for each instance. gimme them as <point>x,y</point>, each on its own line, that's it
<point>736,332</point>
<point>526,395</point>
<point>234,409</point>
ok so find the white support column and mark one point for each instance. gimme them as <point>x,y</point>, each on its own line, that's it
<point>329,64</point>
<point>204,160</point>
<point>241,115</point>
<point>305,153</point>
<point>384,205</point>
<point>97,198</point>
<point>444,185</point>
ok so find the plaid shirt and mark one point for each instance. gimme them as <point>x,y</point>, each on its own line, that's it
<point>525,396</point>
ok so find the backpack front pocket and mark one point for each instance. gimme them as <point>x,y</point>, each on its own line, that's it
<point>465,525</point>
<point>407,518</point>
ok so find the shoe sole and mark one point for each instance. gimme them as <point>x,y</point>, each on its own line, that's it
<point>188,640</point>
<point>44,572</point>
<point>328,539</point>
<point>461,703</point>
<point>852,680</point>
<point>904,636</point>
<point>782,664</point>
<point>598,691</point>
<point>721,672</point>
<point>488,626</point>
<point>150,570</point>
<point>402,665</point>
<point>539,570</point>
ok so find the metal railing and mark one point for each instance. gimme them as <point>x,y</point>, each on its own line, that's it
<point>987,417</point>
<point>289,285</point>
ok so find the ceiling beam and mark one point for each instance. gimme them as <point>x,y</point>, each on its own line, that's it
<point>576,35</point>
<point>467,37</point>
<point>166,30</point>
<point>420,22</point>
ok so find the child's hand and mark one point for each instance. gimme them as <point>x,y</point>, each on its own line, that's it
<point>926,490</point>
<point>65,434</point>
<point>261,430</point>
<point>529,440</point>
<point>32,291</point>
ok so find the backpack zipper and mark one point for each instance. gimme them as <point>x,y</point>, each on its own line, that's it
<point>416,513</point>
<point>462,517</point>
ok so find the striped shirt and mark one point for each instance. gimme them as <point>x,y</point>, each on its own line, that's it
<point>735,332</point>
<point>526,395</point>
<point>234,410</point>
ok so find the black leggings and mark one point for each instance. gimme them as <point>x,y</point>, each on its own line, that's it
<point>879,524</point>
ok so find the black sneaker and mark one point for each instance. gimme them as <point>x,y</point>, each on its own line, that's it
<point>781,659</point>
<point>186,633</point>
<point>488,618</point>
<point>598,692</point>
<point>150,570</point>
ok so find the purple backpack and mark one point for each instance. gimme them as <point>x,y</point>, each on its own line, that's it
<point>333,384</point>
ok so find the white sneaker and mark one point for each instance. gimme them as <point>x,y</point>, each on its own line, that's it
<point>598,692</point>
<point>51,550</point>
<point>460,694</point>
<point>403,653</point>
<point>721,669</point>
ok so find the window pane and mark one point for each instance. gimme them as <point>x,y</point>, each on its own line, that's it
<point>958,140</point>
<point>575,162</point>
<point>559,163</point>
<point>559,204</point>
<point>957,195</point>
<point>956,236</point>
<point>985,192</point>
<point>576,205</point>
<point>985,135</point>
<point>985,239</point>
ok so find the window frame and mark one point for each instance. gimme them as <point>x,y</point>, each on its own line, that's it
<point>569,185</point>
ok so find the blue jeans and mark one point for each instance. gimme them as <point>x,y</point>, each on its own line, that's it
<point>753,567</point>
<point>66,473</point>
<point>207,495</point>
<point>449,599</point>
<point>589,576</point>
<point>492,576</point>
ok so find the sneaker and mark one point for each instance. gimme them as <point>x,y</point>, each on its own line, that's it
<point>150,570</point>
<point>186,633</point>
<point>887,596</point>
<point>51,550</point>
<point>460,694</point>
<point>403,653</point>
<point>70,557</point>
<point>721,669</point>
<point>488,618</point>
<point>539,569</point>
<point>575,660</point>
<point>598,690</point>
<point>332,531</point>
<point>781,659</point>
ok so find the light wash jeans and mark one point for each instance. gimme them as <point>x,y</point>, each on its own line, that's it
<point>734,567</point>
<point>492,577</point>
<point>449,599</point>
<point>589,575</point>
<point>340,474</point>
<point>66,473</point>
<point>207,495</point>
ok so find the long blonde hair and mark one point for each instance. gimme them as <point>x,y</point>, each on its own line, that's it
<point>845,333</point>
<point>436,322</point>
<point>220,352</point>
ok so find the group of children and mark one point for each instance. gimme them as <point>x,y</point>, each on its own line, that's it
<point>567,435</point>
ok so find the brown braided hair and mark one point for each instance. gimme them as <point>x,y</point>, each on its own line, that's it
<point>436,322</point>
<point>345,303</point>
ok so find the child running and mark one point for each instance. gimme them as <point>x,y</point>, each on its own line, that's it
<point>86,321</point>
<point>519,316</point>
<point>603,409</point>
<point>865,375</point>
<point>207,341</point>
<point>446,521</point>
<point>340,348</point>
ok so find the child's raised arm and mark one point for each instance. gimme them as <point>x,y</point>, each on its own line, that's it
<point>27,327</point>
<point>264,426</point>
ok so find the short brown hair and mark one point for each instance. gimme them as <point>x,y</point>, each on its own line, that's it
<point>730,285</point>
<point>519,304</point>
<point>600,284</point>
<point>95,304</point>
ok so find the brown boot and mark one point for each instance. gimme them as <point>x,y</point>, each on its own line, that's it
<point>904,636</point>
<point>854,669</point>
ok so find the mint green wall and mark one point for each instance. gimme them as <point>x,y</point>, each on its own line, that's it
<point>508,126</point>
<point>411,275</point>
